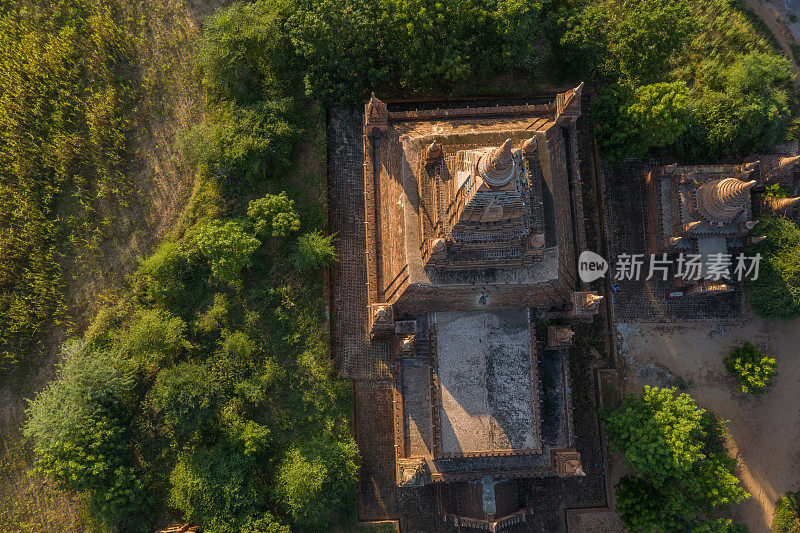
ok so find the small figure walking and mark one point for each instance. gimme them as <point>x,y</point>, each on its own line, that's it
<point>615,288</point>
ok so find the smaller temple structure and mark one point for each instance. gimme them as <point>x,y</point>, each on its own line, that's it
<point>710,211</point>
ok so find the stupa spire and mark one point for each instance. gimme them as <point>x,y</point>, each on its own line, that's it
<point>779,205</point>
<point>496,167</point>
<point>788,162</point>
<point>433,153</point>
<point>722,200</point>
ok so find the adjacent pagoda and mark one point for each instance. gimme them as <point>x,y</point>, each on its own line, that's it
<point>711,210</point>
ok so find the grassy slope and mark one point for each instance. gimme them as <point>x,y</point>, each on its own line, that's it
<point>158,189</point>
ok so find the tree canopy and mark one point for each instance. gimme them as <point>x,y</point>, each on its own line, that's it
<point>753,369</point>
<point>696,76</point>
<point>683,472</point>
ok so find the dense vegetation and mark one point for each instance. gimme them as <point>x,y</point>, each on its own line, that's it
<point>776,292</point>
<point>207,388</point>
<point>683,472</point>
<point>696,76</point>
<point>753,369</point>
<point>62,139</point>
<point>787,515</point>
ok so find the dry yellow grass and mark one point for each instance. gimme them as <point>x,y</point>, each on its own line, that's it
<point>157,186</point>
<point>28,502</point>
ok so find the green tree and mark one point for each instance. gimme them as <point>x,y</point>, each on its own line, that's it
<point>630,41</point>
<point>153,338</point>
<point>186,398</point>
<point>245,52</point>
<point>314,250</point>
<point>317,480</point>
<point>247,142</point>
<point>218,488</point>
<point>658,433</point>
<point>775,191</point>
<point>163,275</point>
<point>775,294</point>
<point>787,514</point>
<point>678,453</point>
<point>228,247</point>
<point>753,369</point>
<point>78,428</point>
<point>660,112</point>
<point>273,215</point>
<point>633,120</point>
<point>341,47</point>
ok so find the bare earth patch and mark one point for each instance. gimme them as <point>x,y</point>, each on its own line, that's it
<point>764,432</point>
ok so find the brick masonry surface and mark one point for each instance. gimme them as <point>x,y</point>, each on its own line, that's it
<point>627,227</point>
<point>368,364</point>
<point>356,357</point>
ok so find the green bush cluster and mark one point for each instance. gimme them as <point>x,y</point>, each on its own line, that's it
<point>683,473</point>
<point>787,515</point>
<point>208,388</point>
<point>753,369</point>
<point>79,425</point>
<point>775,293</point>
<point>695,76</point>
<point>256,55</point>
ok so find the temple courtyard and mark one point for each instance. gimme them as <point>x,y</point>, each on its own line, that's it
<point>764,432</point>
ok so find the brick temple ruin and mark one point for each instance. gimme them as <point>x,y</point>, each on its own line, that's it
<point>473,222</point>
<point>711,210</point>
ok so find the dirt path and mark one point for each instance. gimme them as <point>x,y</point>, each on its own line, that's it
<point>764,431</point>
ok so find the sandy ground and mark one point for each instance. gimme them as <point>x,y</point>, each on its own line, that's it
<point>764,432</point>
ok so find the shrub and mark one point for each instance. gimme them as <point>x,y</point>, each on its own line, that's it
<point>317,480</point>
<point>633,120</point>
<point>153,338</point>
<point>77,424</point>
<point>215,317</point>
<point>246,142</point>
<point>243,50</point>
<point>775,191</point>
<point>273,215</point>
<point>787,515</point>
<point>314,250</point>
<point>753,369</point>
<point>228,247</point>
<point>163,274</point>
<point>235,359</point>
<point>775,293</point>
<point>186,398</point>
<point>215,487</point>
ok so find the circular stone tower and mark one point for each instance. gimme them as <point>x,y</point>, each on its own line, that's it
<point>722,200</point>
